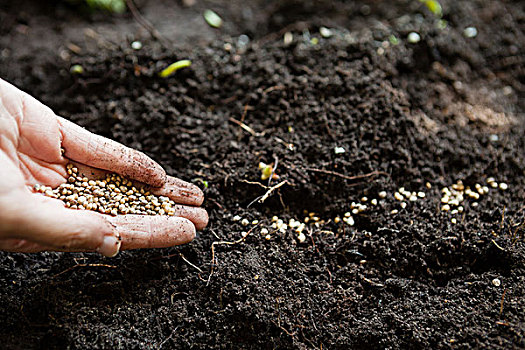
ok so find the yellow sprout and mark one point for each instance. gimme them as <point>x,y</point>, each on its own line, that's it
<point>172,68</point>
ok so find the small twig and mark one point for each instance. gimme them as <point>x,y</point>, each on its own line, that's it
<point>190,263</point>
<point>245,127</point>
<point>501,302</point>
<point>216,243</point>
<point>497,245</point>
<point>357,177</point>
<point>144,22</point>
<point>253,183</point>
<point>84,265</point>
<point>273,88</point>
<point>265,196</point>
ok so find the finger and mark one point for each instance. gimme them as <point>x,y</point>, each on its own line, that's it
<point>52,225</point>
<point>23,246</point>
<point>138,231</point>
<point>198,216</point>
<point>180,191</point>
<point>97,151</point>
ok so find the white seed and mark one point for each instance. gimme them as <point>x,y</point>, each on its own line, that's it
<point>398,196</point>
<point>412,198</point>
<point>235,218</point>
<point>364,199</point>
<point>470,32</point>
<point>382,194</point>
<point>245,222</point>
<point>496,282</point>
<point>395,211</point>
<point>413,38</point>
<point>373,201</point>
<point>454,220</point>
<point>421,194</point>
<point>503,186</point>
<point>301,237</point>
<point>446,207</point>
<point>403,205</point>
<point>264,231</point>
<point>255,222</point>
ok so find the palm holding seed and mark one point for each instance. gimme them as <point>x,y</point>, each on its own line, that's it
<point>35,147</point>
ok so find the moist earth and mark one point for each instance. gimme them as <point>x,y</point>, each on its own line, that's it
<point>343,116</point>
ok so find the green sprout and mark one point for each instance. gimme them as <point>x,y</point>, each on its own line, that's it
<point>393,39</point>
<point>172,68</point>
<point>113,6</point>
<point>204,182</point>
<point>434,6</point>
<point>267,171</point>
<point>213,19</point>
<point>76,69</point>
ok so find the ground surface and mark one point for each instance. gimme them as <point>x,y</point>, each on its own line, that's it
<point>445,109</point>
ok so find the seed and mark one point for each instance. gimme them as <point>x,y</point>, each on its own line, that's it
<point>382,194</point>
<point>503,186</point>
<point>403,205</point>
<point>245,222</point>
<point>412,198</point>
<point>364,199</point>
<point>421,194</point>
<point>337,219</point>
<point>496,282</point>
<point>446,207</point>
<point>398,196</point>
<point>395,211</point>
<point>454,220</point>
<point>428,185</point>
<point>373,201</point>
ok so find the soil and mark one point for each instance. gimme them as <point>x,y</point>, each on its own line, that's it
<point>444,109</point>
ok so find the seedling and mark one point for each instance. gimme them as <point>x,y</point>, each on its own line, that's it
<point>267,171</point>
<point>76,69</point>
<point>434,6</point>
<point>172,68</point>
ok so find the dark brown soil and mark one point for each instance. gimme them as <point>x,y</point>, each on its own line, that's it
<point>447,108</point>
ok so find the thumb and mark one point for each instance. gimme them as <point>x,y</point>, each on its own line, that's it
<point>49,223</point>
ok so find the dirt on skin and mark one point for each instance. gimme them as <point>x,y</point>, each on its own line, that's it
<point>444,109</point>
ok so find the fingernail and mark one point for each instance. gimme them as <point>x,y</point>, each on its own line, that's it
<point>110,246</point>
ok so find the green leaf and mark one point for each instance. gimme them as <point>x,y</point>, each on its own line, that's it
<point>172,68</point>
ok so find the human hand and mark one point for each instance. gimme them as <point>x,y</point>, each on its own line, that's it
<point>36,145</point>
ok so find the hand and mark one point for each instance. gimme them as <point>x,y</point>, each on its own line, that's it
<point>36,145</point>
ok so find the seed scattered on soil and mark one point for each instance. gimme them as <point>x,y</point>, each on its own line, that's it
<point>112,195</point>
<point>213,19</point>
<point>413,38</point>
<point>136,45</point>
<point>470,32</point>
<point>325,32</point>
<point>496,282</point>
